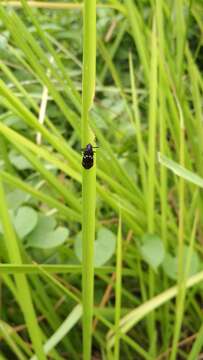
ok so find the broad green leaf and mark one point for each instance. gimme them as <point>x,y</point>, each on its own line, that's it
<point>19,161</point>
<point>25,221</point>
<point>48,240</point>
<point>104,246</point>
<point>16,198</point>
<point>152,250</point>
<point>170,264</point>
<point>45,224</point>
<point>45,235</point>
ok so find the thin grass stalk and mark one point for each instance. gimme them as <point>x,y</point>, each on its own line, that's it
<point>58,269</point>
<point>138,35</point>
<point>182,292</point>
<point>151,171</point>
<point>126,339</point>
<point>118,304</point>
<point>163,149</point>
<point>137,122</point>
<point>42,110</point>
<point>4,153</point>
<point>70,89</point>
<point>181,284</point>
<point>180,39</point>
<point>197,115</point>
<point>121,31</point>
<point>164,201</point>
<point>21,281</point>
<point>88,175</point>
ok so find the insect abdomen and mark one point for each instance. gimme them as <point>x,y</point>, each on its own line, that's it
<point>88,157</point>
<point>87,161</point>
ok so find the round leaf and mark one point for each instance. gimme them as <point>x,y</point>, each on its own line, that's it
<point>152,250</point>
<point>170,264</point>
<point>19,161</point>
<point>104,246</point>
<point>45,225</point>
<point>16,198</point>
<point>25,221</point>
<point>48,240</point>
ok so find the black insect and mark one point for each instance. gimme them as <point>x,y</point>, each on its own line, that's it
<point>88,156</point>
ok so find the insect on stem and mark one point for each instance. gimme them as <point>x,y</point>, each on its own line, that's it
<point>88,156</point>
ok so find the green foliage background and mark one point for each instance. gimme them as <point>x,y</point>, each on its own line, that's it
<point>148,100</point>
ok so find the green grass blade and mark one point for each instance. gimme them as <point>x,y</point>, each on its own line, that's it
<point>134,316</point>
<point>137,26</point>
<point>180,170</point>
<point>118,304</point>
<point>63,330</point>
<point>52,202</point>
<point>21,281</point>
<point>151,170</point>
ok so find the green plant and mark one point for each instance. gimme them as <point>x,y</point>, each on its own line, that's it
<point>143,100</point>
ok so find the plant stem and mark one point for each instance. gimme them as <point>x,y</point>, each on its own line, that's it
<point>151,171</point>
<point>118,290</point>
<point>88,175</point>
<point>181,283</point>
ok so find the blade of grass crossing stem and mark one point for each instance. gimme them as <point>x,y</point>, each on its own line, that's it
<point>63,330</point>
<point>133,317</point>
<point>21,281</point>
<point>4,333</point>
<point>197,346</point>
<point>40,195</point>
<point>118,290</point>
<point>27,116</point>
<point>88,175</point>
<point>181,286</point>
<point>41,152</point>
<point>126,339</point>
<point>22,344</point>
<point>50,178</point>
<point>151,170</point>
